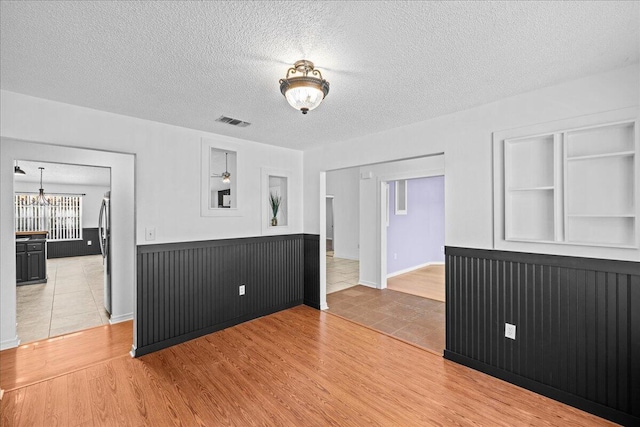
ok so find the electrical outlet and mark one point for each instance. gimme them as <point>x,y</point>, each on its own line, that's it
<point>241,289</point>
<point>442,249</point>
<point>510,331</point>
<point>150,233</point>
<point>395,256</point>
<point>89,243</point>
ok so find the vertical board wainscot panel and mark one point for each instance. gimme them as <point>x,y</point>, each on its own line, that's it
<point>186,290</point>
<point>577,325</point>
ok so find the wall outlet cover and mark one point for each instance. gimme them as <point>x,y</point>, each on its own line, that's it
<point>150,233</point>
<point>510,331</point>
<point>241,290</point>
<point>89,243</point>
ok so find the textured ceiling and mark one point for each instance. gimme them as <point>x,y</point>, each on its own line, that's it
<point>59,173</point>
<point>389,63</point>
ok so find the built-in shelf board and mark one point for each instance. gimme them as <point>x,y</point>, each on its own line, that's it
<point>531,189</point>
<point>572,186</point>
<point>601,156</point>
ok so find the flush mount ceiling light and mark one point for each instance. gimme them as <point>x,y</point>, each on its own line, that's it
<point>304,86</point>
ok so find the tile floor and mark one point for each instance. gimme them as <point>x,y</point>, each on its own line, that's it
<point>410,317</point>
<point>341,273</point>
<point>71,300</point>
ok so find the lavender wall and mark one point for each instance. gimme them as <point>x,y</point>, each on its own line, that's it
<point>417,237</point>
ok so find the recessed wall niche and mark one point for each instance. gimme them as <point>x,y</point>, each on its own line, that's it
<point>222,179</point>
<point>220,176</point>
<point>278,200</point>
<point>276,195</point>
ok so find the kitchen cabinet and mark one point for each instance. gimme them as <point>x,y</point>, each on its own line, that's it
<point>31,260</point>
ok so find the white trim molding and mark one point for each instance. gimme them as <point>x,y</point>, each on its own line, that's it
<point>4,345</point>
<point>416,267</point>
<point>120,318</point>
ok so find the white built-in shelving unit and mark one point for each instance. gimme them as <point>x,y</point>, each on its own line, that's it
<point>574,186</point>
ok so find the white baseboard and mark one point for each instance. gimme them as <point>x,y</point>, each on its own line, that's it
<point>369,284</point>
<point>120,318</point>
<point>344,256</point>
<point>324,306</point>
<point>10,343</point>
<point>417,267</point>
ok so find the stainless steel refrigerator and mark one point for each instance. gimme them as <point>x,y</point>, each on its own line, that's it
<point>104,236</point>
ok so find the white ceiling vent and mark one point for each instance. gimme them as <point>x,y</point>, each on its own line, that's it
<point>233,122</point>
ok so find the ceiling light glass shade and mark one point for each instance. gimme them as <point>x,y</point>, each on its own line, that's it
<point>304,98</point>
<point>304,88</point>
<point>226,177</point>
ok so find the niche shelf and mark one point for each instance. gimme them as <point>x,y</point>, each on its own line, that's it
<point>574,186</point>
<point>276,182</point>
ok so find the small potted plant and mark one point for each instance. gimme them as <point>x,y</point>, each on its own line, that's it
<point>274,201</point>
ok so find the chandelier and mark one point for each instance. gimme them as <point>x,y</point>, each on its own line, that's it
<point>303,86</point>
<point>41,199</point>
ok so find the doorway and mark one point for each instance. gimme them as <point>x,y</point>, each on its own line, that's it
<point>69,294</point>
<point>415,237</point>
<point>369,301</point>
<point>122,237</point>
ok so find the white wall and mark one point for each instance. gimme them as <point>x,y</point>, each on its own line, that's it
<point>465,138</point>
<point>167,166</point>
<point>91,200</point>
<point>167,179</point>
<point>344,185</point>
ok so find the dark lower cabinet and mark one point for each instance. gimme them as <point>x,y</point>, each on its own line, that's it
<point>31,262</point>
<point>21,263</point>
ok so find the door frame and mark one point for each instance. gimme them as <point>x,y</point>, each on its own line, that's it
<point>123,220</point>
<point>383,185</point>
<point>333,221</point>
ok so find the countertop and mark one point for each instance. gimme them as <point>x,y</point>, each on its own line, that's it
<point>30,233</point>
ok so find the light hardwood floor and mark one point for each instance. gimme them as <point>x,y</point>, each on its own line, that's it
<point>48,358</point>
<point>426,282</point>
<point>296,367</point>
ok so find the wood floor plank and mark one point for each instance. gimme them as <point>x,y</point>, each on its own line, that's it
<point>39,360</point>
<point>11,407</point>
<point>296,367</point>
<point>79,398</point>
<point>56,411</point>
<point>33,408</point>
<point>426,282</point>
<point>106,402</point>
